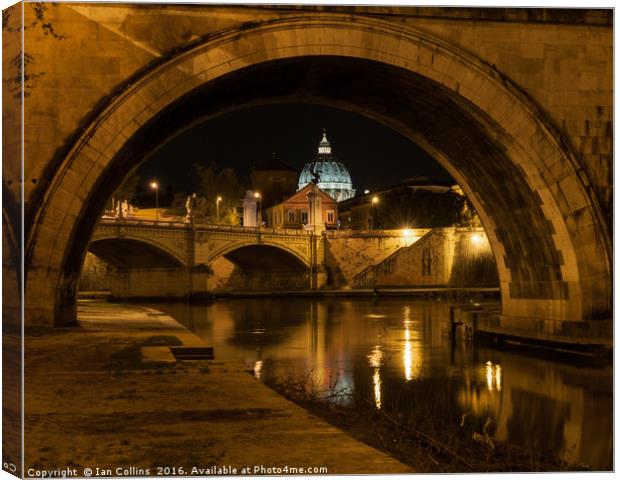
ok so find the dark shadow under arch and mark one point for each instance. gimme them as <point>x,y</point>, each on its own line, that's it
<point>124,253</point>
<point>265,257</point>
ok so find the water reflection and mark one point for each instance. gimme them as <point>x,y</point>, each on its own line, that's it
<point>397,355</point>
<point>498,378</point>
<point>412,354</point>
<point>493,376</point>
<point>407,360</point>
<point>375,359</point>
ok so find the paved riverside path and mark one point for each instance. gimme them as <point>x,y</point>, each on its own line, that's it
<point>102,395</point>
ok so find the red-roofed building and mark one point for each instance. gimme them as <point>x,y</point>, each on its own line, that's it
<point>294,211</point>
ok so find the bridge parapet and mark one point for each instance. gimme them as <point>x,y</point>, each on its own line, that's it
<point>290,232</point>
<point>201,227</point>
<point>388,233</point>
<point>142,222</point>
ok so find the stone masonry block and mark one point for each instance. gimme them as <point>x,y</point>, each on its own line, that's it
<point>572,192</point>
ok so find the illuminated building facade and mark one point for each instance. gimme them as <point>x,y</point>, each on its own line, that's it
<point>294,211</point>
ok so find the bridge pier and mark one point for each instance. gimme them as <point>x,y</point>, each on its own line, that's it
<point>161,283</point>
<point>318,271</point>
<point>318,277</point>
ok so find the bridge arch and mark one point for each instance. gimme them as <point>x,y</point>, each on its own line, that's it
<point>134,252</point>
<point>266,266</point>
<point>292,257</point>
<point>544,225</point>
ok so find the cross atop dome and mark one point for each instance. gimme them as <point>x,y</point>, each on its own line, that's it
<point>325,147</point>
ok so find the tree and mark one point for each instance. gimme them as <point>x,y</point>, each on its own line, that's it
<point>22,81</point>
<point>469,217</point>
<point>421,208</point>
<point>232,217</point>
<point>127,190</point>
<point>214,182</point>
<point>178,201</point>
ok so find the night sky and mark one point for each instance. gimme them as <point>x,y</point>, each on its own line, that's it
<point>374,154</point>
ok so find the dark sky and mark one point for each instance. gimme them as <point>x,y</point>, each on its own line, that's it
<point>374,154</point>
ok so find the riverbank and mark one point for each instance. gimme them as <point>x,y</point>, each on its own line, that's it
<point>409,292</point>
<point>425,441</point>
<point>109,394</point>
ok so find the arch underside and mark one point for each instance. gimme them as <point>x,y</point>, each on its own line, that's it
<point>265,257</point>
<point>265,267</point>
<point>497,146</point>
<point>123,253</point>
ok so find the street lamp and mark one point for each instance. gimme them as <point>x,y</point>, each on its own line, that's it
<point>155,186</point>
<point>258,215</point>
<point>373,209</point>
<point>218,200</point>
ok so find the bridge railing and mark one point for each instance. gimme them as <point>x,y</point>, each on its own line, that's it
<point>253,230</point>
<point>182,223</point>
<point>397,233</point>
<point>140,222</point>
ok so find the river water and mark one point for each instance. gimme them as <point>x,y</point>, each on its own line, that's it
<point>397,353</point>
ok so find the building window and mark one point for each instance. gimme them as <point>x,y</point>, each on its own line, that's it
<point>330,216</point>
<point>291,216</point>
<point>304,216</point>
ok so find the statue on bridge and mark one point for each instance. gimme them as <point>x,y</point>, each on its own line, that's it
<point>123,209</point>
<point>190,206</point>
<point>196,208</point>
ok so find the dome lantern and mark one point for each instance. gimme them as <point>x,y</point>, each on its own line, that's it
<point>325,147</point>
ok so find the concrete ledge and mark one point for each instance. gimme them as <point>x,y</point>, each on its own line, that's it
<point>569,334</point>
<point>360,292</point>
<point>157,354</point>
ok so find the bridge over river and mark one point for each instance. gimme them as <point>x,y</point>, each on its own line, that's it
<point>143,247</point>
<point>175,258</point>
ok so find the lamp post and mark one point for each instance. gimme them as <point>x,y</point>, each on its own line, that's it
<point>373,210</point>
<point>155,186</point>
<point>258,214</point>
<point>218,200</point>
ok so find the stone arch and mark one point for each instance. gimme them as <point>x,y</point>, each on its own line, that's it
<point>281,247</point>
<point>553,257</point>
<point>145,252</point>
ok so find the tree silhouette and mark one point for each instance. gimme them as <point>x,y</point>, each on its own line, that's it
<point>22,80</point>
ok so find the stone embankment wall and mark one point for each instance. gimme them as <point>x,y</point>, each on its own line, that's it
<point>473,264</point>
<point>347,253</point>
<point>97,275</point>
<point>444,257</point>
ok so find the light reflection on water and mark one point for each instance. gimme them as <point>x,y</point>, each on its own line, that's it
<point>375,359</point>
<point>397,352</point>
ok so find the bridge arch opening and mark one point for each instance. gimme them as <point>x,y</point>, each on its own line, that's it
<point>265,267</point>
<point>133,268</point>
<point>544,225</point>
<point>125,253</point>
